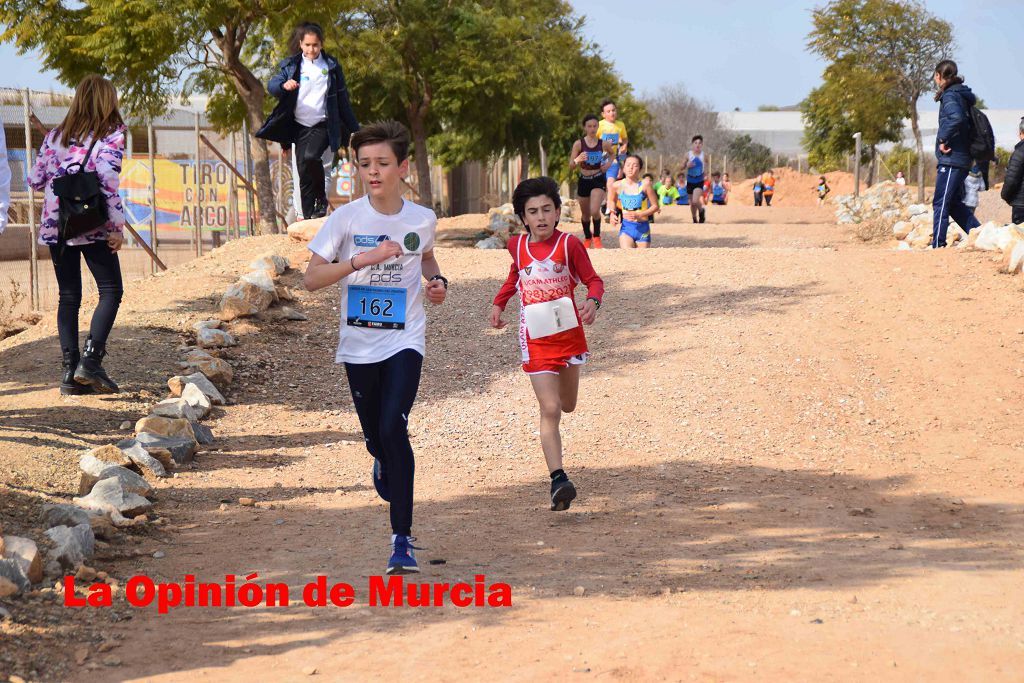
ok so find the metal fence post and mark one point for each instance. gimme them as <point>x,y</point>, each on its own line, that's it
<point>247,155</point>
<point>280,177</point>
<point>233,221</point>
<point>856,167</point>
<point>153,242</point>
<point>198,227</point>
<point>33,268</point>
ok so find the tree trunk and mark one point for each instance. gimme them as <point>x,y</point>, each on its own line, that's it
<point>543,157</point>
<point>871,167</point>
<point>418,128</point>
<point>252,92</point>
<point>916,127</point>
<point>524,166</point>
<point>267,223</point>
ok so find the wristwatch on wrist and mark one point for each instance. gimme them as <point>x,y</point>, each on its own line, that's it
<point>442,278</point>
<point>597,302</point>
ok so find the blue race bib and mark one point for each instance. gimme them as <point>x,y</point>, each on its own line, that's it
<point>613,138</point>
<point>594,158</point>
<point>379,307</point>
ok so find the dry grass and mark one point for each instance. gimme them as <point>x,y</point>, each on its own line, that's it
<point>10,298</point>
<point>873,230</point>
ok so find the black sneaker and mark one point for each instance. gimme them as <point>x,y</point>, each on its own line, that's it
<point>562,494</point>
<point>702,217</point>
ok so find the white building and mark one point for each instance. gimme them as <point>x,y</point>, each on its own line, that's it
<point>783,131</point>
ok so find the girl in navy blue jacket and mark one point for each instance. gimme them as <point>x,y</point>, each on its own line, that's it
<point>313,111</point>
<point>952,149</point>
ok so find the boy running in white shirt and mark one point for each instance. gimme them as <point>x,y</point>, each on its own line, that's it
<point>383,246</point>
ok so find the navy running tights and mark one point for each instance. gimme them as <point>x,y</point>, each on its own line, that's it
<point>383,394</point>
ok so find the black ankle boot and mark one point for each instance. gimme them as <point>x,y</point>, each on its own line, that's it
<point>68,385</point>
<point>91,372</point>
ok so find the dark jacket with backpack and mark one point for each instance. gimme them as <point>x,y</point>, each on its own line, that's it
<point>1013,186</point>
<point>955,126</point>
<point>280,126</point>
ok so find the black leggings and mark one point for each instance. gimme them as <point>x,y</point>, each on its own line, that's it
<point>310,144</point>
<point>383,394</point>
<point>106,270</point>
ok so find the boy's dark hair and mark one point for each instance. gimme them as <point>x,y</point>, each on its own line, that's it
<point>716,174</point>
<point>681,174</point>
<point>648,175</point>
<point>697,137</point>
<point>534,187</point>
<point>666,172</point>
<point>300,32</point>
<point>590,117</point>
<point>391,132</point>
<point>605,102</point>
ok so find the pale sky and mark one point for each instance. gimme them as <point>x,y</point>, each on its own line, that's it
<point>737,53</point>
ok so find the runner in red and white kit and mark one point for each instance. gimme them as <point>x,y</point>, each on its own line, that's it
<point>547,265</point>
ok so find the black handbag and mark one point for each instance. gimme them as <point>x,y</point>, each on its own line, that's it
<point>82,205</point>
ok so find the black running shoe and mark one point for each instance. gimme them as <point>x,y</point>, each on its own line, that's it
<point>562,495</point>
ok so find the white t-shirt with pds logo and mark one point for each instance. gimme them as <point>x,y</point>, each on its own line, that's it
<point>381,305</point>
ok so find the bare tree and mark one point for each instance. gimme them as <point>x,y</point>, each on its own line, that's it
<point>677,117</point>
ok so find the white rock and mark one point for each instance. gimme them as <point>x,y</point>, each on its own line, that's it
<point>263,280</point>
<point>492,242</point>
<point>94,470</point>
<point>175,408</point>
<point>25,552</point>
<point>244,298</point>
<point>901,229</point>
<point>12,578</point>
<point>270,262</point>
<point>109,496</point>
<point>207,325</point>
<point>71,547</point>
<point>177,386</point>
<point>199,401</point>
<point>304,231</point>
<point>992,237</point>
<point>142,459</point>
<point>214,338</point>
<point>1013,257</point>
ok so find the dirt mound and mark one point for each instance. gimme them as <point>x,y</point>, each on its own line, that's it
<point>794,189</point>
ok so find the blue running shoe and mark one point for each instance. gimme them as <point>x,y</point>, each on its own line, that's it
<point>403,560</point>
<point>380,482</point>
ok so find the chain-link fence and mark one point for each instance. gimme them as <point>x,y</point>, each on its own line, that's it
<point>184,188</point>
<point>187,189</point>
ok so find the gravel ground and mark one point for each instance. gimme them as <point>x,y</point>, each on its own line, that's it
<point>799,458</point>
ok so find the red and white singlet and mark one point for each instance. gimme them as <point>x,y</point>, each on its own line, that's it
<point>541,281</point>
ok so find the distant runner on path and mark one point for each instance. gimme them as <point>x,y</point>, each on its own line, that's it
<point>592,156</point>
<point>695,178</point>
<point>613,132</point>
<point>637,202</point>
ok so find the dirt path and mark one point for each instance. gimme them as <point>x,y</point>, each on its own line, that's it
<point>799,459</point>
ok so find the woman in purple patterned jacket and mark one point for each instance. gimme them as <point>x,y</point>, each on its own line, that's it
<point>93,116</point>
